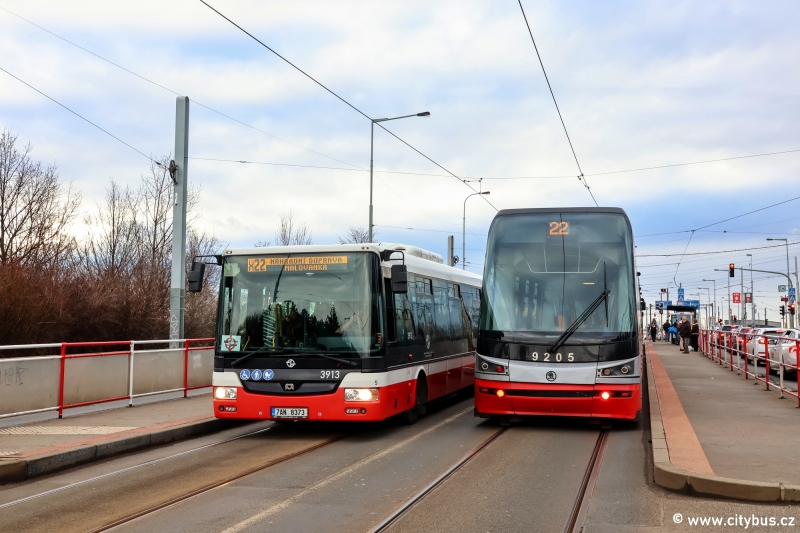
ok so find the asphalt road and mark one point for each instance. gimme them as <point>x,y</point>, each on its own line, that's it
<point>525,480</point>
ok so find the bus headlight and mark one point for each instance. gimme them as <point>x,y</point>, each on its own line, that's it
<point>360,395</point>
<point>225,393</point>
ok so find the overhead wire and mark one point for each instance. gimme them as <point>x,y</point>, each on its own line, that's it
<point>309,76</point>
<point>84,118</point>
<point>720,251</point>
<point>581,176</point>
<point>176,92</point>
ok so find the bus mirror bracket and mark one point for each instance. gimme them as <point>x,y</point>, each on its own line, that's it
<point>399,279</point>
<point>198,272</point>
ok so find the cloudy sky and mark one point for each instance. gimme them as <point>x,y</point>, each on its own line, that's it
<point>640,84</point>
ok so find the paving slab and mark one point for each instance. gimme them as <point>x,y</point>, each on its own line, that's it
<point>39,448</point>
<point>746,432</point>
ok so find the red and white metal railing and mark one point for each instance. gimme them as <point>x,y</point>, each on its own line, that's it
<point>130,351</point>
<point>721,347</point>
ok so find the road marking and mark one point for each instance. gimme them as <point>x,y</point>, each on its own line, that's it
<point>335,477</point>
<point>64,430</point>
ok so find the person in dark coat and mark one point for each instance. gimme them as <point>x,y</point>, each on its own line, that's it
<point>666,330</point>
<point>695,335</point>
<point>653,330</point>
<point>685,331</point>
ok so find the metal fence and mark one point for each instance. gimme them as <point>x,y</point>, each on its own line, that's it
<point>79,376</point>
<point>735,349</point>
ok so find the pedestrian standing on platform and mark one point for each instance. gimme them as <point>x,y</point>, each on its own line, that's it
<point>685,331</point>
<point>653,330</point>
<point>673,334</point>
<point>695,335</point>
<point>666,330</point>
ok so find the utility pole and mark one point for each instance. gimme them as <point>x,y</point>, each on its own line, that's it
<point>450,244</point>
<point>742,304</point>
<point>179,173</point>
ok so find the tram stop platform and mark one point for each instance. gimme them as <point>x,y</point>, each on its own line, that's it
<point>716,434</point>
<point>38,448</point>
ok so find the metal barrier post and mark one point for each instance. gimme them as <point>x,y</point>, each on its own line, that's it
<point>766,362</point>
<point>185,368</point>
<point>745,360</point>
<point>130,377</point>
<point>730,353</point>
<point>61,380</point>
<point>797,367</point>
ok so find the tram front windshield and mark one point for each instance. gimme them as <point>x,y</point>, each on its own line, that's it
<point>544,270</point>
<point>293,303</point>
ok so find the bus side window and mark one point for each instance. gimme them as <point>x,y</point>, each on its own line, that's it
<point>441,312</point>
<point>391,312</point>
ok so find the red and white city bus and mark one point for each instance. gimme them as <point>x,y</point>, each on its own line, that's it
<point>355,332</point>
<point>559,326</point>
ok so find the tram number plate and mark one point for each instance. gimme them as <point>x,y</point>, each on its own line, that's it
<point>289,412</point>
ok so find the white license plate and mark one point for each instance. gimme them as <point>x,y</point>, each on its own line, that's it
<point>289,412</point>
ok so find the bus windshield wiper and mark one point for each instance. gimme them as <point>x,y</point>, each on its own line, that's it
<point>260,350</point>
<point>582,318</point>
<point>326,356</point>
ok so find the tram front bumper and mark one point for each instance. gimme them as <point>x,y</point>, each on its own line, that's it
<point>539,399</point>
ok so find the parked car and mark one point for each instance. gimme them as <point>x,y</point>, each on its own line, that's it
<point>742,335</point>
<point>758,341</point>
<point>721,335</point>
<point>785,349</point>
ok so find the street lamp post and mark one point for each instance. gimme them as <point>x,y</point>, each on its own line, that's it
<point>464,230</point>
<point>371,150</point>
<point>714,308</point>
<point>752,294</point>
<point>708,325</point>
<point>788,273</point>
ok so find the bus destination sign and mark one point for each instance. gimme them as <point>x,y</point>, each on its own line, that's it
<point>297,264</point>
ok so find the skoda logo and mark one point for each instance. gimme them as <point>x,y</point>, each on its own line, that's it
<point>290,363</point>
<point>550,376</point>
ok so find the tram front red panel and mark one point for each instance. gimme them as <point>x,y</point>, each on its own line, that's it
<point>521,399</point>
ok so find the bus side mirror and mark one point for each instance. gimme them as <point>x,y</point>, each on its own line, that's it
<point>195,276</point>
<point>399,279</point>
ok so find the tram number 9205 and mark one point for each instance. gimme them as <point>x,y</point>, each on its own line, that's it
<point>328,374</point>
<point>546,357</point>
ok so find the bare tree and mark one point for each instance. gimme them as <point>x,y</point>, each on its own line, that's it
<point>35,208</point>
<point>357,235</point>
<point>261,244</point>
<point>113,244</point>
<point>201,307</point>
<point>291,231</point>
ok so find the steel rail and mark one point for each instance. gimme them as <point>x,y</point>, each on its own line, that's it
<point>128,469</point>
<point>581,506</point>
<point>212,486</point>
<point>384,524</point>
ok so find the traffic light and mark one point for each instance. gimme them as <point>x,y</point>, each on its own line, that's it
<point>734,318</point>
<point>791,308</point>
<point>642,304</point>
<point>663,290</point>
<point>731,270</point>
<point>783,310</point>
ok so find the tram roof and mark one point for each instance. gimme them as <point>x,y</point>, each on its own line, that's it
<point>533,210</point>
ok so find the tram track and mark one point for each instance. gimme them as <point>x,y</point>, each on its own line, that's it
<point>581,506</point>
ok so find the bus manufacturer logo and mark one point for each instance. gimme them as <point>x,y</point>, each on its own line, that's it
<point>290,363</point>
<point>288,386</point>
<point>550,376</point>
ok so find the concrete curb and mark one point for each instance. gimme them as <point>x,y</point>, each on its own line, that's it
<point>12,470</point>
<point>676,479</point>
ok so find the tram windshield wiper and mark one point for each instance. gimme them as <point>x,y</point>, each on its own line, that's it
<point>582,318</point>
<point>277,349</point>
<point>326,356</point>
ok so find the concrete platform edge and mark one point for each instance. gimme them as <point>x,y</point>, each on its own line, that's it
<point>13,470</point>
<point>675,479</point>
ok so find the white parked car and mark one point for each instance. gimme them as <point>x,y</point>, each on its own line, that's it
<point>756,342</point>
<point>785,350</point>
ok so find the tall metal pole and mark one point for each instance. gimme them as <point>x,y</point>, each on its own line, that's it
<point>464,230</point>
<point>742,305</point>
<point>371,142</point>
<point>730,313</point>
<point>714,308</point>
<point>752,294</point>
<point>788,275</point>
<point>178,276</point>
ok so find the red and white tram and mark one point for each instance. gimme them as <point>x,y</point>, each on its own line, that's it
<point>559,331</point>
<point>355,332</point>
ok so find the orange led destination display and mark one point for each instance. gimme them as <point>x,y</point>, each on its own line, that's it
<point>304,264</point>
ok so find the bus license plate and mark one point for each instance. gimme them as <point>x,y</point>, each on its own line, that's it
<point>289,412</point>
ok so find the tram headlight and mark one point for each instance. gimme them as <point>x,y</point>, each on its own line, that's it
<point>225,393</point>
<point>360,395</point>
<point>624,370</point>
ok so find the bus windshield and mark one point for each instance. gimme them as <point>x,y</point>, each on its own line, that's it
<point>544,269</point>
<point>301,303</point>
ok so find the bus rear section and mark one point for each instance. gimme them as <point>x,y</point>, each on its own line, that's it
<point>340,334</point>
<point>559,326</point>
